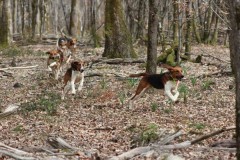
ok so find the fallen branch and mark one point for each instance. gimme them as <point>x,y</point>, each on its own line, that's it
<point>207,55</point>
<point>212,134</point>
<point>23,67</point>
<point>142,150</point>
<point>170,138</point>
<point>15,156</point>
<point>17,151</point>
<point>118,61</point>
<point>218,148</point>
<point>216,73</point>
<point>132,153</point>
<point>9,110</point>
<point>59,143</point>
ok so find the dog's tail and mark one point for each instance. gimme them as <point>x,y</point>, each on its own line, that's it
<point>138,75</point>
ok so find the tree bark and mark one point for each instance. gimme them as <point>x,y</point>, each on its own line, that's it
<point>34,17</point>
<point>175,22</point>
<point>118,40</point>
<point>188,29</point>
<point>234,39</point>
<point>4,25</point>
<point>73,18</point>
<point>140,25</point>
<point>152,37</point>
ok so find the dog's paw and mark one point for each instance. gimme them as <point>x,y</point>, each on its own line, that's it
<point>175,91</point>
<point>73,92</point>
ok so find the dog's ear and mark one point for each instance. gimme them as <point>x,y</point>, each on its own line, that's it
<point>166,66</point>
<point>74,65</point>
<point>48,52</point>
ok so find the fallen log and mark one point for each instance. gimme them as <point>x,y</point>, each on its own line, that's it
<point>9,110</point>
<point>119,60</point>
<point>15,156</point>
<point>23,67</point>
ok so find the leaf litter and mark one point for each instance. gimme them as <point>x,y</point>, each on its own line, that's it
<point>98,117</point>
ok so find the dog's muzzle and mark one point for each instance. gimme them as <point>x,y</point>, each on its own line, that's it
<point>180,77</point>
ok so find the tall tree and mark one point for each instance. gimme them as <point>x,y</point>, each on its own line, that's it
<point>234,39</point>
<point>73,18</point>
<point>118,40</point>
<point>175,22</point>
<point>152,36</point>
<point>140,19</point>
<point>34,17</point>
<point>188,28</point>
<point>5,32</point>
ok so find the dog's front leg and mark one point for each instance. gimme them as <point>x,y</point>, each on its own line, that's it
<point>168,92</point>
<point>73,78</point>
<point>81,83</point>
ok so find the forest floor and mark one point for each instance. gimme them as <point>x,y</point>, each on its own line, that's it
<point>98,119</point>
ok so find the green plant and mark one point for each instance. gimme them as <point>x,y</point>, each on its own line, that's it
<point>168,110</point>
<point>18,128</point>
<point>206,85</point>
<point>193,80</point>
<point>198,126</point>
<point>150,134</point>
<point>122,97</point>
<point>132,81</point>
<point>103,83</point>
<point>47,102</point>
<point>154,106</point>
<point>183,90</point>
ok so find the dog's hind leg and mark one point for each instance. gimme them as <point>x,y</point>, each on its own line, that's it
<point>142,87</point>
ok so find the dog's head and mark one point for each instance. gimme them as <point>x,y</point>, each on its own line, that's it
<point>73,42</point>
<point>77,66</point>
<point>176,72</point>
<point>62,43</point>
<point>53,54</point>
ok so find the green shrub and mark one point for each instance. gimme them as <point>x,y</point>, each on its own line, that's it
<point>47,102</point>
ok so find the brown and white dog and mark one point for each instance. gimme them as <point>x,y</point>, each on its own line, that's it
<point>54,62</point>
<point>166,81</point>
<point>72,76</point>
<point>67,46</point>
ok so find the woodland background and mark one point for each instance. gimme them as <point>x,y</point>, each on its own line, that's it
<point>120,37</point>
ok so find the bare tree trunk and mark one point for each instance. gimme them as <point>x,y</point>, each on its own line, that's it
<point>74,18</point>
<point>175,22</point>
<point>118,40</point>
<point>188,29</point>
<point>34,17</point>
<point>207,25</point>
<point>234,40</point>
<point>140,26</point>
<point>152,36</point>
<point>95,37</point>
<point>194,23</point>
<point>4,25</point>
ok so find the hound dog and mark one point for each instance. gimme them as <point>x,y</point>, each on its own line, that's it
<point>72,76</point>
<point>54,62</point>
<point>166,81</point>
<point>67,45</point>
